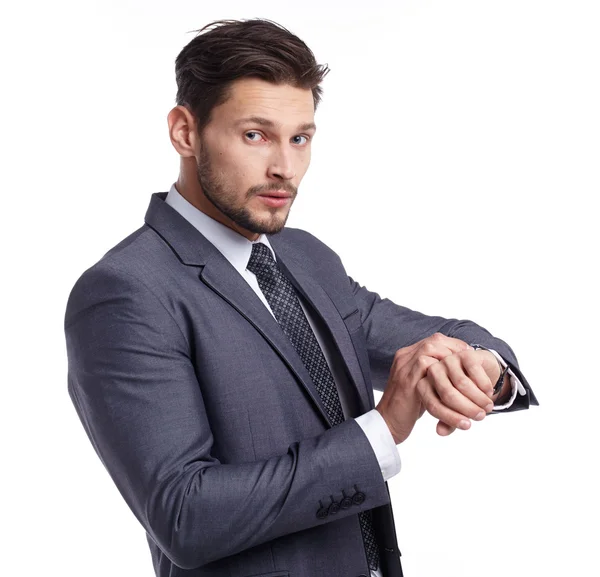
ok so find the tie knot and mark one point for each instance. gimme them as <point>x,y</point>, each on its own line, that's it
<point>261,258</point>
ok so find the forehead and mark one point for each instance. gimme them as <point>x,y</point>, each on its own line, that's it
<point>283,104</point>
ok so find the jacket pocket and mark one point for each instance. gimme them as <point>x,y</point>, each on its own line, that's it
<point>352,321</point>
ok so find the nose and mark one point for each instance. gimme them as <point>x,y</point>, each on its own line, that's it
<point>281,166</point>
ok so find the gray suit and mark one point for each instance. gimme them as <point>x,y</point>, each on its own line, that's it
<point>207,420</point>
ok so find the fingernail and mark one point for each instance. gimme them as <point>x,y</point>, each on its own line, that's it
<point>480,415</point>
<point>489,408</point>
<point>464,424</point>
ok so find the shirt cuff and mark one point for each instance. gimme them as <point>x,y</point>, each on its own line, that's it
<point>380,437</point>
<point>514,381</point>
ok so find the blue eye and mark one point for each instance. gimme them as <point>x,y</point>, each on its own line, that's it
<point>302,136</point>
<point>259,134</point>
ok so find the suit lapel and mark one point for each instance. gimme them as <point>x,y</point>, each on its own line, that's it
<point>194,249</point>
<point>221,276</point>
<point>322,303</point>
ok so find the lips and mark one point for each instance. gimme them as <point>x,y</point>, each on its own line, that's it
<point>277,194</point>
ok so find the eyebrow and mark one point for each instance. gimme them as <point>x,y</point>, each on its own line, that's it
<point>270,124</point>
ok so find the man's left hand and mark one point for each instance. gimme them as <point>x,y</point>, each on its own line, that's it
<point>456,384</point>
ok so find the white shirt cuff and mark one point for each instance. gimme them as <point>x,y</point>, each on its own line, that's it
<point>380,437</point>
<point>514,381</point>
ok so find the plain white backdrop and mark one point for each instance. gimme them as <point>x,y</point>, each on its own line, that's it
<point>455,171</point>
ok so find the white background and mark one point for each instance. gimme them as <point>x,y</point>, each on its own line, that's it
<point>455,171</point>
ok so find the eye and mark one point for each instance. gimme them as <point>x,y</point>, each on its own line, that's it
<point>302,136</point>
<point>252,132</point>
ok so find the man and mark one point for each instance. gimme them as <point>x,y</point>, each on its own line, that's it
<point>223,365</point>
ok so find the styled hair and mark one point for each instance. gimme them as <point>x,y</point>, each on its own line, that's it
<point>231,49</point>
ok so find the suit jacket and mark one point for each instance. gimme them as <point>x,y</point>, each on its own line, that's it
<point>207,420</point>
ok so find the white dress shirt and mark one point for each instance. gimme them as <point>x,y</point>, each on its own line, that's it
<point>236,248</point>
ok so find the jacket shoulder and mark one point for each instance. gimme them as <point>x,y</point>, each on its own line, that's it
<point>124,267</point>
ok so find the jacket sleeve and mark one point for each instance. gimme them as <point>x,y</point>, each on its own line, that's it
<point>389,327</point>
<point>139,399</point>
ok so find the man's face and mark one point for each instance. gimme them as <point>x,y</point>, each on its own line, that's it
<point>242,158</point>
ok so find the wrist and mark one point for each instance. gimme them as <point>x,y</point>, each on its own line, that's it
<point>495,368</point>
<point>496,371</point>
<point>397,439</point>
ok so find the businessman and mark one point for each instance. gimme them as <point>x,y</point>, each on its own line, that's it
<point>223,364</point>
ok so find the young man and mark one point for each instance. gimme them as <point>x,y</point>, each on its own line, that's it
<point>223,365</point>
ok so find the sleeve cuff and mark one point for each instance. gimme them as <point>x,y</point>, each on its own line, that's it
<point>514,381</point>
<point>380,437</point>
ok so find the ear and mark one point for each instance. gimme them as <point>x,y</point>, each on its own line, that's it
<point>182,131</point>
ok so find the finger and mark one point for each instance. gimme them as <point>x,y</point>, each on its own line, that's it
<point>420,367</point>
<point>462,381</point>
<point>451,396</point>
<point>454,344</point>
<point>410,349</point>
<point>444,430</point>
<point>434,405</point>
<point>471,363</point>
<point>434,348</point>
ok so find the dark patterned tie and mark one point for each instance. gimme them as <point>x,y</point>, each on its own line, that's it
<point>283,300</point>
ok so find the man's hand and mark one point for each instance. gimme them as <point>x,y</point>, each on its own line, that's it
<point>401,404</point>
<point>452,386</point>
<point>442,375</point>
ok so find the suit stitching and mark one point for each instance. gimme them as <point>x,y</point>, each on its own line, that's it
<point>251,435</point>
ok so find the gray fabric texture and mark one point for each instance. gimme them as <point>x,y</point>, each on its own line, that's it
<point>207,420</point>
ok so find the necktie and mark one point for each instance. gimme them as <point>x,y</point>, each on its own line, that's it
<point>283,300</point>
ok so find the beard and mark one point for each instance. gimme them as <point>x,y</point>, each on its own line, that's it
<point>226,199</point>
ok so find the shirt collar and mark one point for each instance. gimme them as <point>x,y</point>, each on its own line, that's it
<point>235,247</point>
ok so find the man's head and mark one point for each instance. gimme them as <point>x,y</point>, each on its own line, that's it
<point>247,92</point>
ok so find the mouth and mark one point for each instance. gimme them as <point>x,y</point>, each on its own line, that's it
<point>275,199</point>
<point>277,194</point>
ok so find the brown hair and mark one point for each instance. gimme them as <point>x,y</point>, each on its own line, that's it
<point>232,49</point>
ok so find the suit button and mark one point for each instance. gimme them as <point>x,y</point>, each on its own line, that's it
<point>346,502</point>
<point>358,498</point>
<point>322,512</point>
<point>334,508</point>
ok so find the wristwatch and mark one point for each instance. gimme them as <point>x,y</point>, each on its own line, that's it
<point>503,370</point>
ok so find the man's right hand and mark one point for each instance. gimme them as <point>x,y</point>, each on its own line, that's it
<point>400,404</point>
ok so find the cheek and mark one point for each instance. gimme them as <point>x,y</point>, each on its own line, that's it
<point>241,177</point>
<point>247,168</point>
<point>304,163</point>
<point>229,165</point>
